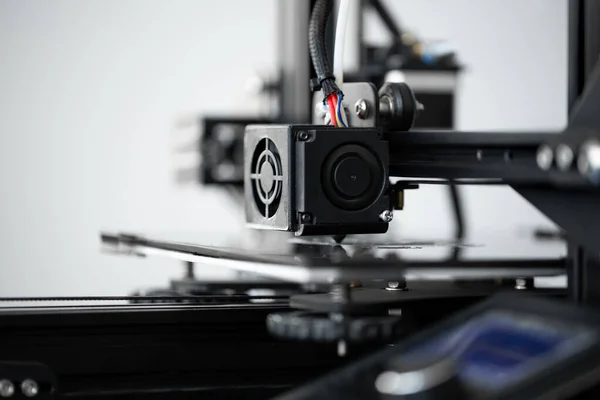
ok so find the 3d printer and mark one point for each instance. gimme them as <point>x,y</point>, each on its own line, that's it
<point>315,179</point>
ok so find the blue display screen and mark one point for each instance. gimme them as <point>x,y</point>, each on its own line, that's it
<point>498,349</point>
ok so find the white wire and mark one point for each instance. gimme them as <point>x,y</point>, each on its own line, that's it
<point>344,116</point>
<point>340,38</point>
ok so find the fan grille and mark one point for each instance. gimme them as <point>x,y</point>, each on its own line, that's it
<point>266,176</point>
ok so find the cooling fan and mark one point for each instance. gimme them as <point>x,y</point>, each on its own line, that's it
<point>266,175</point>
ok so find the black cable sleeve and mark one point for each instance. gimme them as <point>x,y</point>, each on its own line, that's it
<point>318,48</point>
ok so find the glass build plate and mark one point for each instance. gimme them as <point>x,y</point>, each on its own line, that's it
<point>282,256</point>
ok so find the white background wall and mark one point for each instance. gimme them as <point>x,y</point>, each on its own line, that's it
<point>90,91</point>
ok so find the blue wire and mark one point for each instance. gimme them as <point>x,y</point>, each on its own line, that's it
<point>339,110</point>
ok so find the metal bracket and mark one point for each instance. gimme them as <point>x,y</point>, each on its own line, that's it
<point>393,107</point>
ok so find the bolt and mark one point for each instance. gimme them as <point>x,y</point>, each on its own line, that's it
<point>479,155</point>
<point>7,389</point>
<point>361,108</point>
<point>397,285</point>
<point>520,284</point>
<point>386,215</point>
<point>420,107</point>
<point>588,162</point>
<point>564,157</point>
<point>583,162</point>
<point>303,136</point>
<point>306,217</point>
<point>545,157</point>
<point>30,388</point>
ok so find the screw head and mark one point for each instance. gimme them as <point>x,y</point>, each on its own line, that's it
<point>564,157</point>
<point>520,284</point>
<point>306,217</point>
<point>7,389</point>
<point>303,135</point>
<point>588,161</point>
<point>361,108</point>
<point>545,157</point>
<point>583,163</point>
<point>30,388</point>
<point>396,285</point>
<point>386,215</point>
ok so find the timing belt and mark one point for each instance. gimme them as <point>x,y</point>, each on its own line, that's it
<point>224,299</point>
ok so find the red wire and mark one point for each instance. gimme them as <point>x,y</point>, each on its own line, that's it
<point>332,110</point>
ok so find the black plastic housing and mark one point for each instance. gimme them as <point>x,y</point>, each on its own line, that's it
<point>335,180</point>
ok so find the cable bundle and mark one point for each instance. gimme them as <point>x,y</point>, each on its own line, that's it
<point>332,94</point>
<point>336,110</point>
